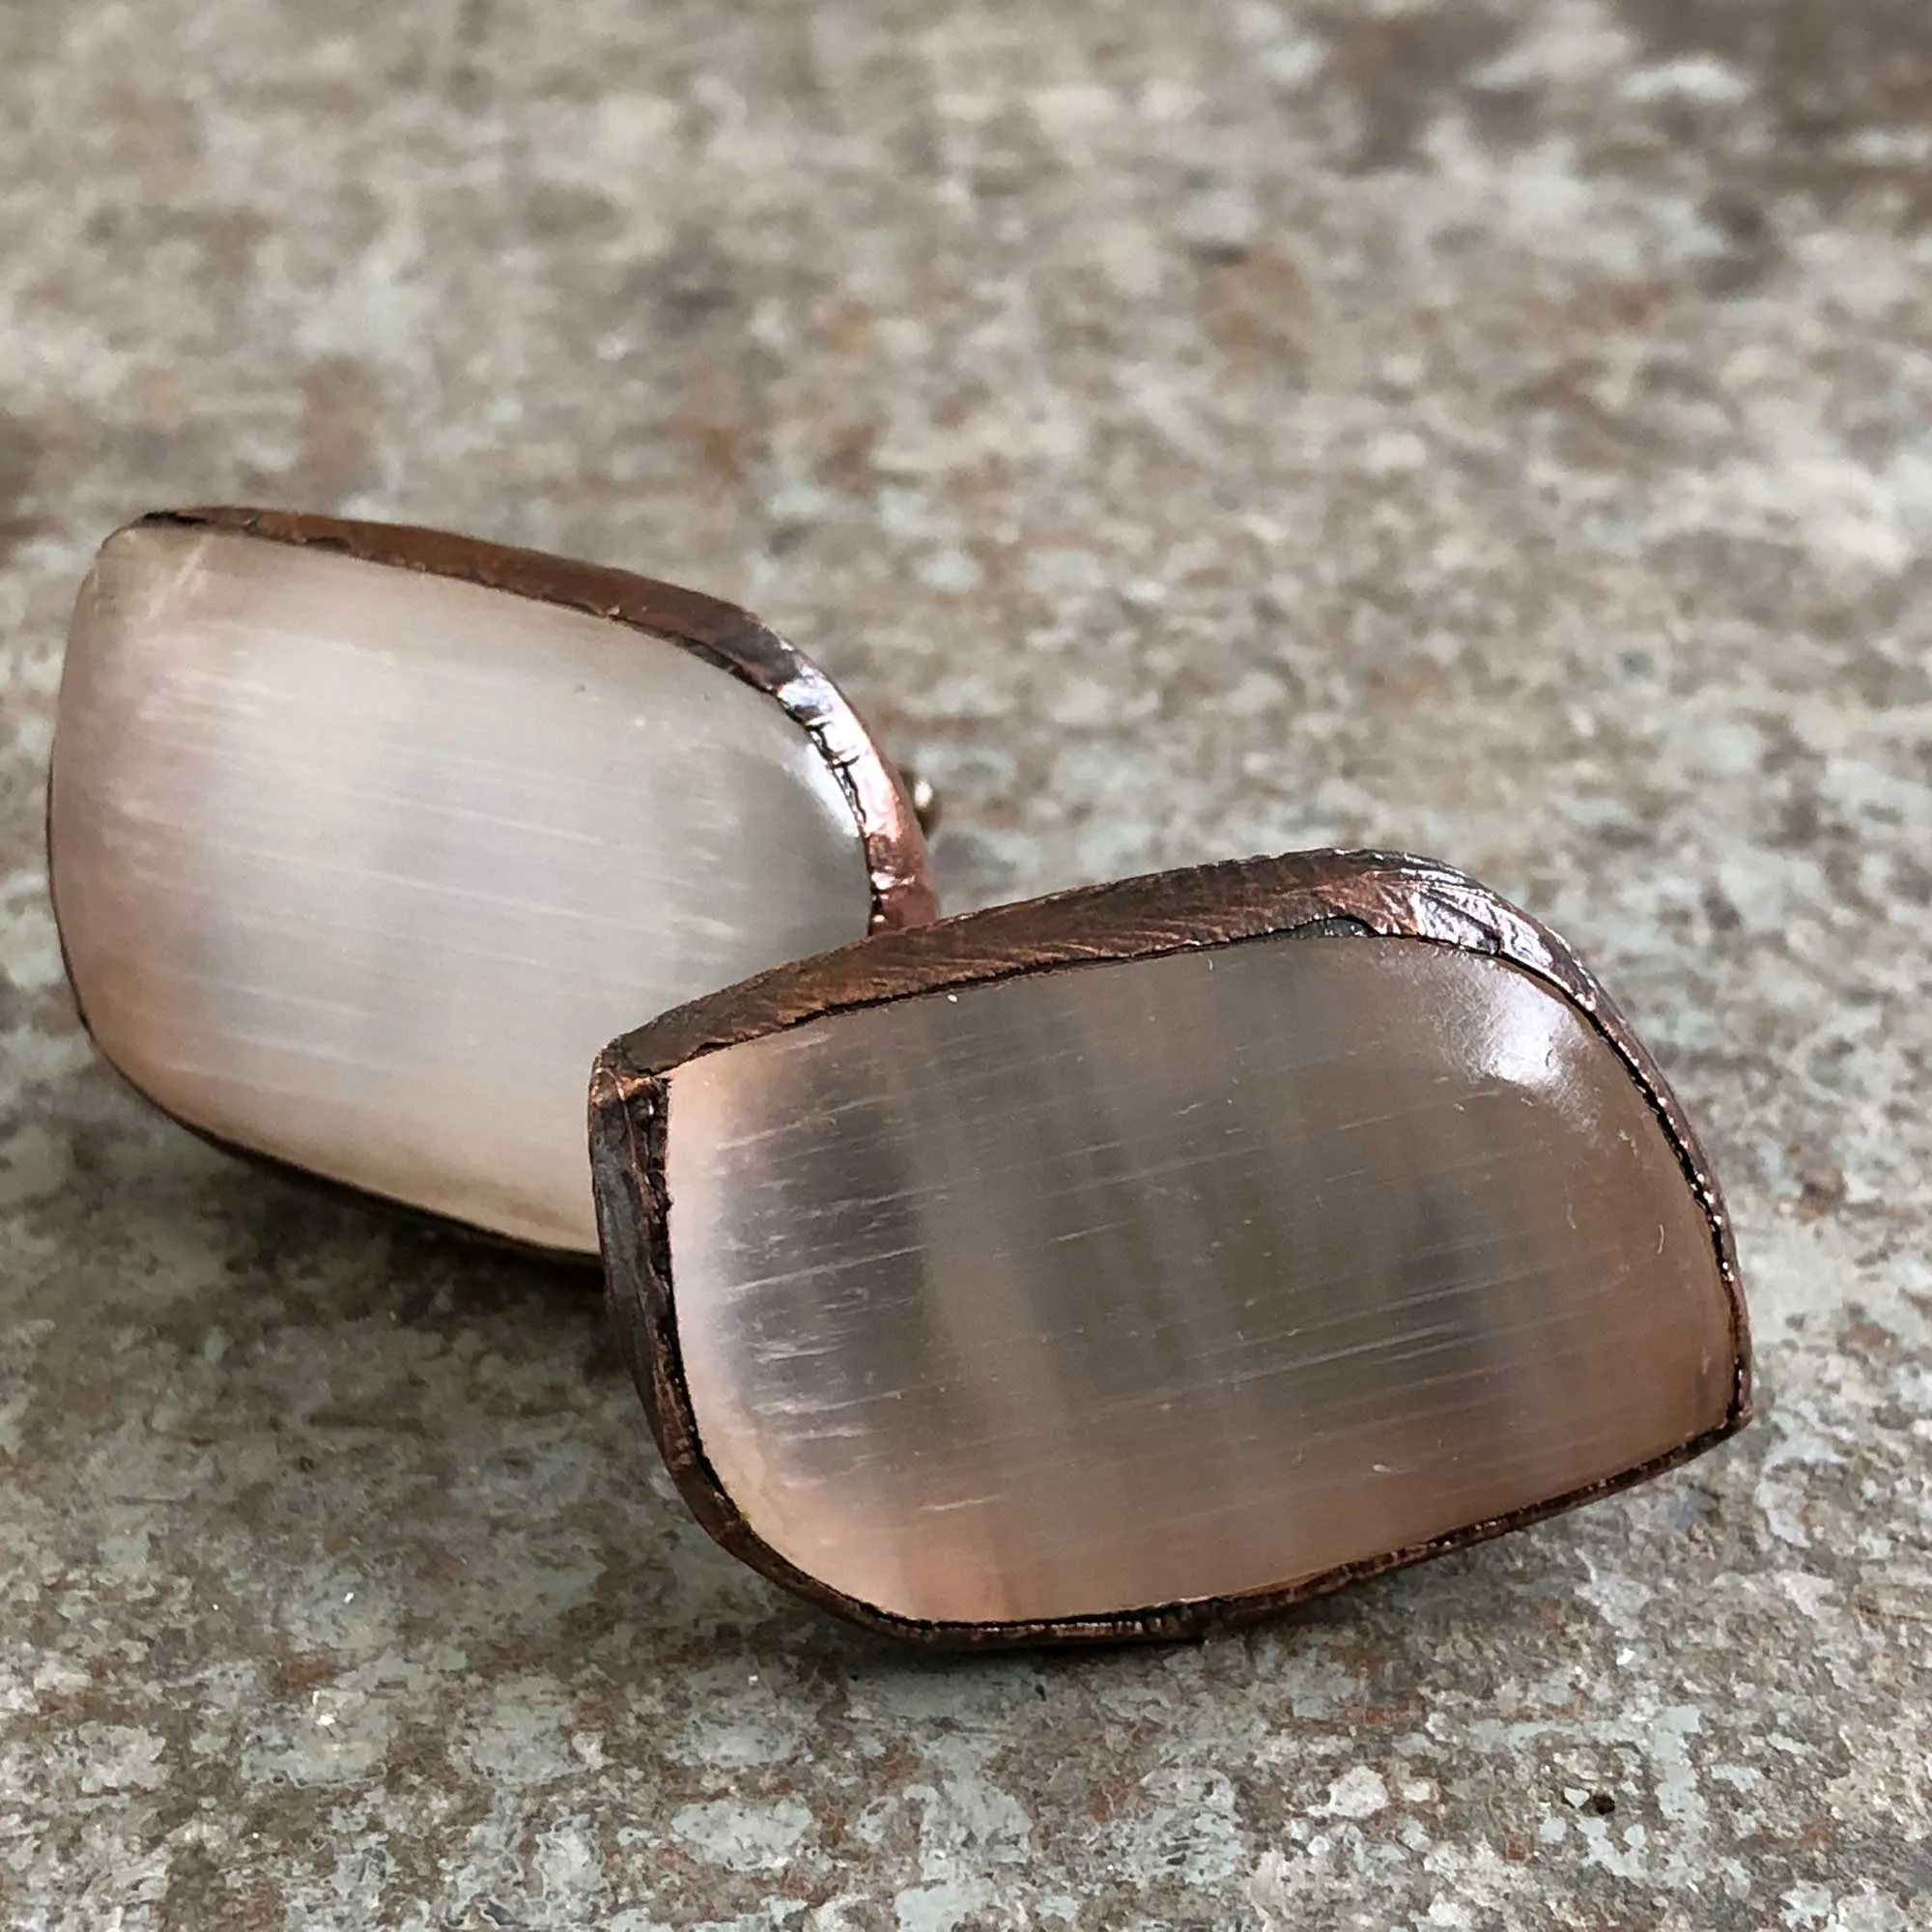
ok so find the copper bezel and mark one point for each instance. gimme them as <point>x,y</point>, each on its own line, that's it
<point>1320,896</point>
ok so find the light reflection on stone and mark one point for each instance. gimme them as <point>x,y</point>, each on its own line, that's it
<point>359,867</point>
<point>1105,1288</point>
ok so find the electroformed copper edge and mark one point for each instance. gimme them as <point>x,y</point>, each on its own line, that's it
<point>725,635</point>
<point>1365,894</point>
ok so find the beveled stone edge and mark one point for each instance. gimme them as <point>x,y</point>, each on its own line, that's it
<point>1378,894</point>
<point>725,635</point>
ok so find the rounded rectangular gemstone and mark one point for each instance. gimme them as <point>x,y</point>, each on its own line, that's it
<point>1121,1285</point>
<point>358,866</point>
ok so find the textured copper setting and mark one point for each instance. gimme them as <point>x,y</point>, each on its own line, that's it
<point>805,726</point>
<point>1324,899</point>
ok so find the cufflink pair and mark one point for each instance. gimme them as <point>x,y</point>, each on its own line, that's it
<point>1129,1263</point>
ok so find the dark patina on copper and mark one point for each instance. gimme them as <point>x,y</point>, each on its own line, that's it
<point>1318,895</point>
<point>722,634</point>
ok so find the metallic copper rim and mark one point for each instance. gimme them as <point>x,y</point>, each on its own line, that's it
<point>722,634</point>
<point>1318,894</point>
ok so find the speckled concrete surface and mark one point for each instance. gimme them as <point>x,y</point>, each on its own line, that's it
<point>1191,428</point>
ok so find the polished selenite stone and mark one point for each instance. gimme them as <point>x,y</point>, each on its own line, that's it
<point>1121,1285</point>
<point>358,866</point>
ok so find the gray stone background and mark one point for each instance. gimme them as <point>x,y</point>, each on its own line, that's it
<point>1188,427</point>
